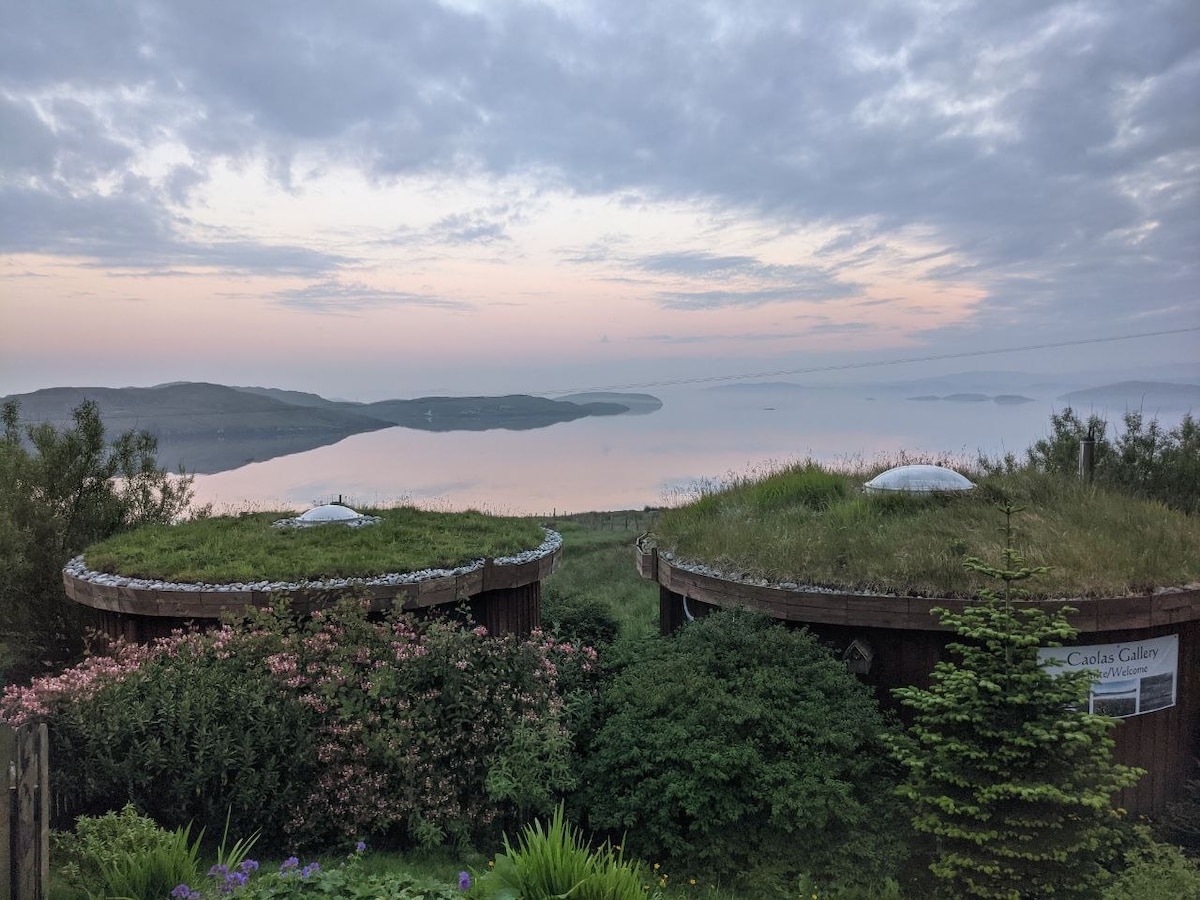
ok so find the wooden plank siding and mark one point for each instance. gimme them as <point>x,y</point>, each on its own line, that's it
<point>908,641</point>
<point>25,813</point>
<point>143,614</point>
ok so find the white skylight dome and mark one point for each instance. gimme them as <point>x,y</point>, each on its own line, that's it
<point>330,512</point>
<point>918,479</point>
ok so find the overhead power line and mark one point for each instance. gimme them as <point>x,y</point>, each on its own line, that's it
<point>840,367</point>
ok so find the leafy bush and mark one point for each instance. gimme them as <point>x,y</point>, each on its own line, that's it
<point>125,855</point>
<point>1181,824</point>
<point>322,731</point>
<point>249,881</point>
<point>582,620</point>
<point>60,490</point>
<point>430,731</point>
<point>1155,871</point>
<point>739,748</point>
<point>554,862</point>
<point>1142,458</point>
<point>196,733</point>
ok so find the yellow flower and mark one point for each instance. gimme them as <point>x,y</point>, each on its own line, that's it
<point>491,864</point>
<point>691,881</point>
<point>656,867</point>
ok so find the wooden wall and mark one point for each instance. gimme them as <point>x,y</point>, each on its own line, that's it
<point>908,641</point>
<point>143,614</point>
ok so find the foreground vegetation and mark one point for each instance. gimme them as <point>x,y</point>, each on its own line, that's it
<point>61,490</point>
<point>736,759</point>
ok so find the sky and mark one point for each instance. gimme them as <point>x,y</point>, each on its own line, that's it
<point>390,199</point>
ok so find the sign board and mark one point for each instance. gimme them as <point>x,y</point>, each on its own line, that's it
<point>1135,677</point>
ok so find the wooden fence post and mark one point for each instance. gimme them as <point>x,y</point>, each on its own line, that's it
<point>8,781</point>
<point>25,813</point>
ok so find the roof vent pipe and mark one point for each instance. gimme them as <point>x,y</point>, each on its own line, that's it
<point>1087,455</point>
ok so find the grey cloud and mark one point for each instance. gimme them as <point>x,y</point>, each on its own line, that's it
<point>335,296</point>
<point>751,337</point>
<point>819,291</point>
<point>128,229</point>
<point>471,228</point>
<point>841,328</point>
<point>741,281</point>
<point>1010,132</point>
<point>694,263</point>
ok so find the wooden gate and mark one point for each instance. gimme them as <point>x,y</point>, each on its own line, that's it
<point>25,814</point>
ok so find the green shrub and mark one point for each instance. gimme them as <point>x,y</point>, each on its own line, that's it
<point>322,731</point>
<point>197,733</point>
<point>582,620</point>
<point>1181,824</point>
<point>291,880</point>
<point>554,862</point>
<point>742,749</point>
<point>1155,871</point>
<point>1142,458</point>
<point>125,855</point>
<point>429,732</point>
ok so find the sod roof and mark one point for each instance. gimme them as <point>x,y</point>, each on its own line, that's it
<point>248,547</point>
<point>808,526</point>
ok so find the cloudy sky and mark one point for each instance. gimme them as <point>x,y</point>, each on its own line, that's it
<point>392,198</point>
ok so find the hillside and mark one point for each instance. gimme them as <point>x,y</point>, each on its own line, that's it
<point>208,428</point>
<point>1147,396</point>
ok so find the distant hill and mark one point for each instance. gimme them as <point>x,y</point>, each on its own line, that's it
<point>636,404</point>
<point>191,408</point>
<point>1147,396</point>
<point>295,398</point>
<point>211,427</point>
<point>1003,399</point>
<point>514,412</point>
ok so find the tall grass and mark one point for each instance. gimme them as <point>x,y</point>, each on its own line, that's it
<point>811,526</point>
<point>554,861</point>
<point>598,569</point>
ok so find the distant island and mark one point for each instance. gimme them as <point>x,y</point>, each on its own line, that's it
<point>1145,396</point>
<point>208,428</point>
<point>1003,399</point>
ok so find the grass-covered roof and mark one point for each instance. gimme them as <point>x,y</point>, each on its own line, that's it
<point>812,526</point>
<point>229,549</point>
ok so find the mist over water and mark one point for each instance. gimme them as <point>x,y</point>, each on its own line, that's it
<point>626,462</point>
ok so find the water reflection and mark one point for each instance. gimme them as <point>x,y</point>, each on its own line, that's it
<point>622,462</point>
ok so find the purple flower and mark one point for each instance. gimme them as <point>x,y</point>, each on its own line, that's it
<point>464,881</point>
<point>360,847</point>
<point>309,869</point>
<point>249,866</point>
<point>288,865</point>
<point>218,872</point>
<point>181,892</point>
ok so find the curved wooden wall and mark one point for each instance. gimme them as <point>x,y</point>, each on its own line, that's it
<point>908,641</point>
<point>502,594</point>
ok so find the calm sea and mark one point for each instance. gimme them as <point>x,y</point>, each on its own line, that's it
<point>625,462</point>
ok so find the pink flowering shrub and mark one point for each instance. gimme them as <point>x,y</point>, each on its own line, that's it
<point>429,731</point>
<point>319,731</point>
<point>20,704</point>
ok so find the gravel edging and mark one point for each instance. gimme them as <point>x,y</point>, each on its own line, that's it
<point>76,568</point>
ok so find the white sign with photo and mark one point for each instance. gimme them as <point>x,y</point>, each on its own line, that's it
<point>1135,677</point>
